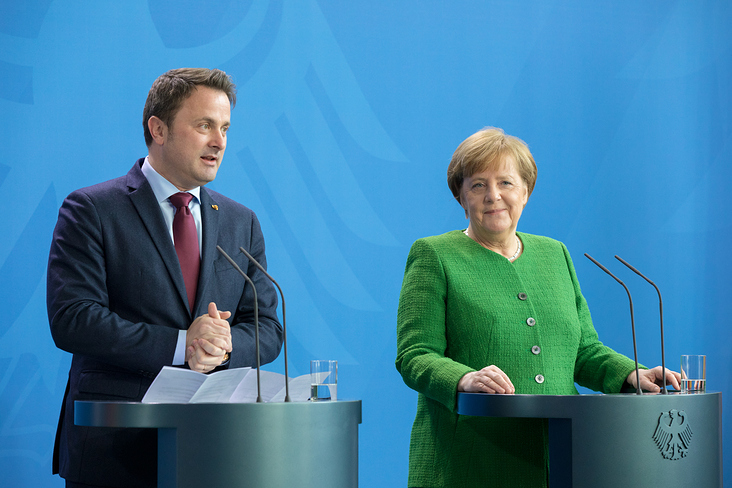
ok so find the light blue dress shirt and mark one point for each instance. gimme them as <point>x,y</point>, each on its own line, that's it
<point>163,189</point>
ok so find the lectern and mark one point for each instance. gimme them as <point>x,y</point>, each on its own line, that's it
<point>672,440</point>
<point>257,445</point>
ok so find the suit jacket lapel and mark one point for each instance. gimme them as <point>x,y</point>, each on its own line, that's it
<point>148,209</point>
<point>210,223</point>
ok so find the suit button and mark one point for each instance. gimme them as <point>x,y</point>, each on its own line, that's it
<point>522,296</point>
<point>536,350</point>
<point>539,378</point>
<point>531,321</point>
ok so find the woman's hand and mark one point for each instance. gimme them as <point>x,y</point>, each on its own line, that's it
<point>651,379</point>
<point>488,380</point>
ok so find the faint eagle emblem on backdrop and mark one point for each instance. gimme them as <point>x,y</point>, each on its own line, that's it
<point>673,434</point>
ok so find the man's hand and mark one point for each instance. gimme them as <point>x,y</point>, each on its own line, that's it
<point>208,339</point>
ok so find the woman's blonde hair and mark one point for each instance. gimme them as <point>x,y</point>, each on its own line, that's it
<point>486,148</point>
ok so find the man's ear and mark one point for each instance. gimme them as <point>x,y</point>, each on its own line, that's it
<point>158,130</point>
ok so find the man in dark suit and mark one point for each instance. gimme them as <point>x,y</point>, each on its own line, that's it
<point>129,291</point>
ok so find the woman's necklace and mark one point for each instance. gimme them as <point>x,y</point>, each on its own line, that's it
<point>518,248</point>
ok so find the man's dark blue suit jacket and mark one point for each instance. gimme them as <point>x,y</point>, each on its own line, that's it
<point>116,301</point>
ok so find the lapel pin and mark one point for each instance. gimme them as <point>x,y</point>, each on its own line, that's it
<point>215,207</point>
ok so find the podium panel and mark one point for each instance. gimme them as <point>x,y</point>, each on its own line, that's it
<point>595,441</point>
<point>257,445</point>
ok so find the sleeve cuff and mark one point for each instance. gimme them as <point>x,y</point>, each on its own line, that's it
<point>179,358</point>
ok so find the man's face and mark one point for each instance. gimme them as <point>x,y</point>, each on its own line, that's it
<point>192,146</point>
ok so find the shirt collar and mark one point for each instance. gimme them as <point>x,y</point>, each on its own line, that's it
<point>161,187</point>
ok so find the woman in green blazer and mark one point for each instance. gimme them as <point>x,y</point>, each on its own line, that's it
<point>492,310</point>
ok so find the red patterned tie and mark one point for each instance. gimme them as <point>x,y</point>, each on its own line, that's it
<point>185,238</point>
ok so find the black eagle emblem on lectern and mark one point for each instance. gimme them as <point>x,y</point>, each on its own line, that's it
<point>673,434</point>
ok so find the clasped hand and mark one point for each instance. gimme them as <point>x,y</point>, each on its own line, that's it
<point>208,339</point>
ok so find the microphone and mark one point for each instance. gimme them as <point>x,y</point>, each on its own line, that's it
<point>284,326</point>
<point>660,306</point>
<point>256,316</point>
<point>632,322</point>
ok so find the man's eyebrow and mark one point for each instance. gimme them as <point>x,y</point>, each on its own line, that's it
<point>212,121</point>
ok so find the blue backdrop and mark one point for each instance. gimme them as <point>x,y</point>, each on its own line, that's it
<point>348,114</point>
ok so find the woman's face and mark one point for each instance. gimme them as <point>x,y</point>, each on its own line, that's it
<point>493,200</point>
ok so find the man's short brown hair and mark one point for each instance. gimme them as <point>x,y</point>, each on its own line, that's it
<point>171,88</point>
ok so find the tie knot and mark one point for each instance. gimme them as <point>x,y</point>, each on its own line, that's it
<point>181,199</point>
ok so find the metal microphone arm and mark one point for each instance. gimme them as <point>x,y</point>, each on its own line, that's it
<point>660,306</point>
<point>284,325</point>
<point>256,316</point>
<point>632,322</point>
